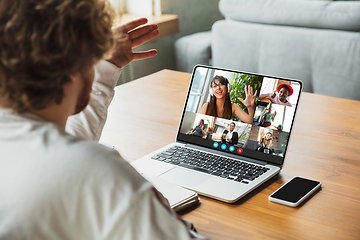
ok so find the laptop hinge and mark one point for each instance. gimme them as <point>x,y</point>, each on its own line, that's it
<point>226,154</point>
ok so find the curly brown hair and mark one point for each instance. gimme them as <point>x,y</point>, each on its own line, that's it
<point>43,41</point>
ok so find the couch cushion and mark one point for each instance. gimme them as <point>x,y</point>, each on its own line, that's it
<point>340,15</point>
<point>327,61</point>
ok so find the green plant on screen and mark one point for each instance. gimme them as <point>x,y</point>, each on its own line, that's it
<point>238,89</point>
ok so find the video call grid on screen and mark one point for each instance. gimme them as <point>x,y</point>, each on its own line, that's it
<point>260,132</point>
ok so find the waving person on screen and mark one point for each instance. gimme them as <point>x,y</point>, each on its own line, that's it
<point>268,117</point>
<point>221,106</point>
<point>281,98</point>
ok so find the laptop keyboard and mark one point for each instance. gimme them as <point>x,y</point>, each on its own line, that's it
<point>211,164</point>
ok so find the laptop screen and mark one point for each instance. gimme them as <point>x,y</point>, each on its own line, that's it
<point>243,114</point>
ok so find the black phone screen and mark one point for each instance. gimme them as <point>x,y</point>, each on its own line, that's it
<point>294,190</point>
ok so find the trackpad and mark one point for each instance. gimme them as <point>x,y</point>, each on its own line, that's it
<point>183,177</point>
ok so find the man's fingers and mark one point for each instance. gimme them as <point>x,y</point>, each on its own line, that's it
<point>255,93</point>
<point>142,31</point>
<point>134,24</point>
<point>145,38</point>
<point>126,27</point>
<point>144,55</point>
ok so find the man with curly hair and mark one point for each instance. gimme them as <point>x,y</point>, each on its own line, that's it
<point>59,63</point>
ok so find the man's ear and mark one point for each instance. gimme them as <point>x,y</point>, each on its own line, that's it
<point>74,83</point>
<point>74,77</point>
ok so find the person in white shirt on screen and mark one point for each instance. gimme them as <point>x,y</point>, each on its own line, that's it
<point>229,136</point>
<point>56,181</point>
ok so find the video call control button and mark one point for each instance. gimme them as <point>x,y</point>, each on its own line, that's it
<point>231,148</point>
<point>215,144</point>
<point>223,146</point>
<point>240,150</point>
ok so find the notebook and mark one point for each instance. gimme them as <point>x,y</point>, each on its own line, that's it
<point>233,134</point>
<point>179,198</point>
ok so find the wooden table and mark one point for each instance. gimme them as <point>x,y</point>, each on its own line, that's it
<point>324,146</point>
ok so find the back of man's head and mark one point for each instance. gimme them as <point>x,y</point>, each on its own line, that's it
<point>43,41</point>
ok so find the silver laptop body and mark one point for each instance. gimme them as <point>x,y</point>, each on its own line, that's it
<point>209,163</point>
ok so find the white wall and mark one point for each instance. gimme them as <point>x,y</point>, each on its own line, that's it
<point>194,16</point>
<point>188,122</point>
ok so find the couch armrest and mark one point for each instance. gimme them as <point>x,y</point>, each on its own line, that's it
<point>192,50</point>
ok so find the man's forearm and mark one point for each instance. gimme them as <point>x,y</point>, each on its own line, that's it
<point>90,122</point>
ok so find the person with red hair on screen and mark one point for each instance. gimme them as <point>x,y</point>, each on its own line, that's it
<point>283,92</point>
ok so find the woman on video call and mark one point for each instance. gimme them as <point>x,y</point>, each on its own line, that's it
<point>265,143</point>
<point>199,130</point>
<point>268,117</point>
<point>221,106</point>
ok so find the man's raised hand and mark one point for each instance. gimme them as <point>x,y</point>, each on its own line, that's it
<point>129,36</point>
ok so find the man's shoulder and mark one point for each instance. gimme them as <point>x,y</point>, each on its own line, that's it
<point>101,165</point>
<point>48,148</point>
<point>70,179</point>
<point>94,159</point>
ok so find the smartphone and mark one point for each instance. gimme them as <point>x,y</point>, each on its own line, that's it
<point>295,191</point>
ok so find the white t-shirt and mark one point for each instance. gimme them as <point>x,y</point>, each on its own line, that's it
<point>54,185</point>
<point>229,135</point>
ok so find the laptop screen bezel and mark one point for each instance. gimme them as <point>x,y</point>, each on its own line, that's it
<point>268,160</point>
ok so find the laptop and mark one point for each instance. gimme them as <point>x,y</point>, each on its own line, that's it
<point>225,154</point>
